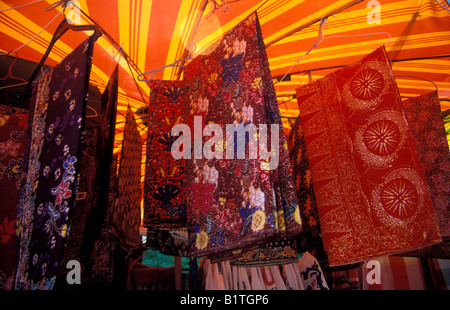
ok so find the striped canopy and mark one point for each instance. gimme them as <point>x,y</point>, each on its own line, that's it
<point>305,40</point>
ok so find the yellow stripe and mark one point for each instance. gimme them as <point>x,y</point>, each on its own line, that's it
<point>418,41</point>
<point>184,23</point>
<point>145,12</point>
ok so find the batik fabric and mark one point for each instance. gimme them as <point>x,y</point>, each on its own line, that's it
<point>126,217</point>
<point>236,203</point>
<point>164,191</point>
<point>48,193</point>
<point>370,190</point>
<point>13,128</point>
<point>88,213</point>
<point>427,127</point>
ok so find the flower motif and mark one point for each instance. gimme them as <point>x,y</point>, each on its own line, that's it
<point>58,139</point>
<point>9,148</point>
<point>62,191</point>
<point>68,93</point>
<point>231,68</point>
<point>257,83</point>
<point>72,104</point>
<point>69,165</point>
<point>217,238</point>
<point>14,169</point>
<point>7,230</point>
<point>46,171</point>
<point>258,220</point>
<point>202,240</point>
<point>57,173</point>
<point>213,78</point>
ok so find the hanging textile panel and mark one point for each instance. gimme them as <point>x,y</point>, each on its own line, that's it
<point>235,203</point>
<point>303,181</point>
<point>104,165</point>
<point>127,209</point>
<point>371,193</point>
<point>90,197</point>
<point>13,128</point>
<point>48,194</point>
<point>426,124</point>
<point>164,192</point>
<point>425,119</point>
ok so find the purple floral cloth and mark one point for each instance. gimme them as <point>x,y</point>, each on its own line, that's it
<point>56,124</point>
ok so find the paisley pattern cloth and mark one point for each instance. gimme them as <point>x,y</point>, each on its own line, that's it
<point>371,193</point>
<point>164,191</point>
<point>126,217</point>
<point>13,125</point>
<point>236,203</point>
<point>425,120</point>
<point>48,193</point>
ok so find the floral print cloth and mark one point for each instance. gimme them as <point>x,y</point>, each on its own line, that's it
<point>13,126</point>
<point>164,191</point>
<point>56,121</point>
<point>236,203</point>
<point>371,193</point>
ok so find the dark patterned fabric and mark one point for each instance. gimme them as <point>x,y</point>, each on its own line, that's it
<point>236,203</point>
<point>164,191</point>
<point>303,180</point>
<point>126,217</point>
<point>105,169</point>
<point>425,120</point>
<point>275,253</point>
<point>13,124</point>
<point>48,194</point>
<point>99,107</point>
<point>370,191</point>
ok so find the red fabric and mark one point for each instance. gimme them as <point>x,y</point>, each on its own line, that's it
<point>164,192</point>
<point>237,203</point>
<point>371,193</point>
<point>13,128</point>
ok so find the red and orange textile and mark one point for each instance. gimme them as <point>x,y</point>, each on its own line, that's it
<point>236,203</point>
<point>164,191</point>
<point>371,193</point>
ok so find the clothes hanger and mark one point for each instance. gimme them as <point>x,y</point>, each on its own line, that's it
<point>60,30</point>
<point>175,64</point>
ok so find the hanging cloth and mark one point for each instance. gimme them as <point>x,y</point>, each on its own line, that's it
<point>164,191</point>
<point>89,212</point>
<point>370,190</point>
<point>126,215</point>
<point>427,127</point>
<point>13,128</point>
<point>56,123</point>
<point>236,203</point>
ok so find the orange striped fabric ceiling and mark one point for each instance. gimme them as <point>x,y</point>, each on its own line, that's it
<point>156,33</point>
